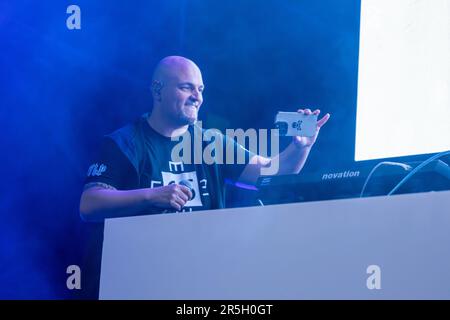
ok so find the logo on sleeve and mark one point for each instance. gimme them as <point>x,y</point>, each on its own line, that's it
<point>96,170</point>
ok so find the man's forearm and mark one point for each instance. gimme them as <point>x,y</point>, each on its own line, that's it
<point>97,203</point>
<point>290,161</point>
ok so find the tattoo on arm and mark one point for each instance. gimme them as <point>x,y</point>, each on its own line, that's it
<point>98,184</point>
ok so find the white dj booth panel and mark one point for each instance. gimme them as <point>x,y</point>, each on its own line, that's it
<point>316,250</point>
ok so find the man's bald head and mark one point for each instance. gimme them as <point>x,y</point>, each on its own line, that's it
<point>177,89</point>
<point>173,66</point>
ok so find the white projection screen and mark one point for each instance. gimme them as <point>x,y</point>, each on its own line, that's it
<point>403,104</point>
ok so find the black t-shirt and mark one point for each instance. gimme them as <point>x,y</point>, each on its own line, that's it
<point>136,156</point>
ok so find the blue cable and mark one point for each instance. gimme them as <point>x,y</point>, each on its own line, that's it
<point>416,169</point>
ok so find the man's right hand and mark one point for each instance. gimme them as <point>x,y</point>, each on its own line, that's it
<point>171,196</point>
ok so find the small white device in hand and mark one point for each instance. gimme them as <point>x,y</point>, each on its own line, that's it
<point>296,124</point>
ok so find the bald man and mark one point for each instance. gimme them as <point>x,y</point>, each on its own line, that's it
<point>135,174</point>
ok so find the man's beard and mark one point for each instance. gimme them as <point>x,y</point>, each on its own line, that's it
<point>188,117</point>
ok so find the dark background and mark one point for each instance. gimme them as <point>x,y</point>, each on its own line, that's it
<point>61,90</point>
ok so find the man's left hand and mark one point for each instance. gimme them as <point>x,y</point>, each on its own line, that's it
<point>309,141</point>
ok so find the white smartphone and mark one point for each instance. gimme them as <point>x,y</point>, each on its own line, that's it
<point>296,124</point>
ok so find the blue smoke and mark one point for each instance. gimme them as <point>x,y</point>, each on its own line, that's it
<point>61,90</point>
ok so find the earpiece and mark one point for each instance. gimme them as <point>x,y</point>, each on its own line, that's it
<point>157,85</point>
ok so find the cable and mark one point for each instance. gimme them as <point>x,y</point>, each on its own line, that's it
<point>416,169</point>
<point>390,163</point>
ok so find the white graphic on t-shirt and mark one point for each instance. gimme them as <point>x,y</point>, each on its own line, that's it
<point>203,183</point>
<point>155,183</point>
<point>173,166</point>
<point>169,178</point>
<point>186,210</point>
